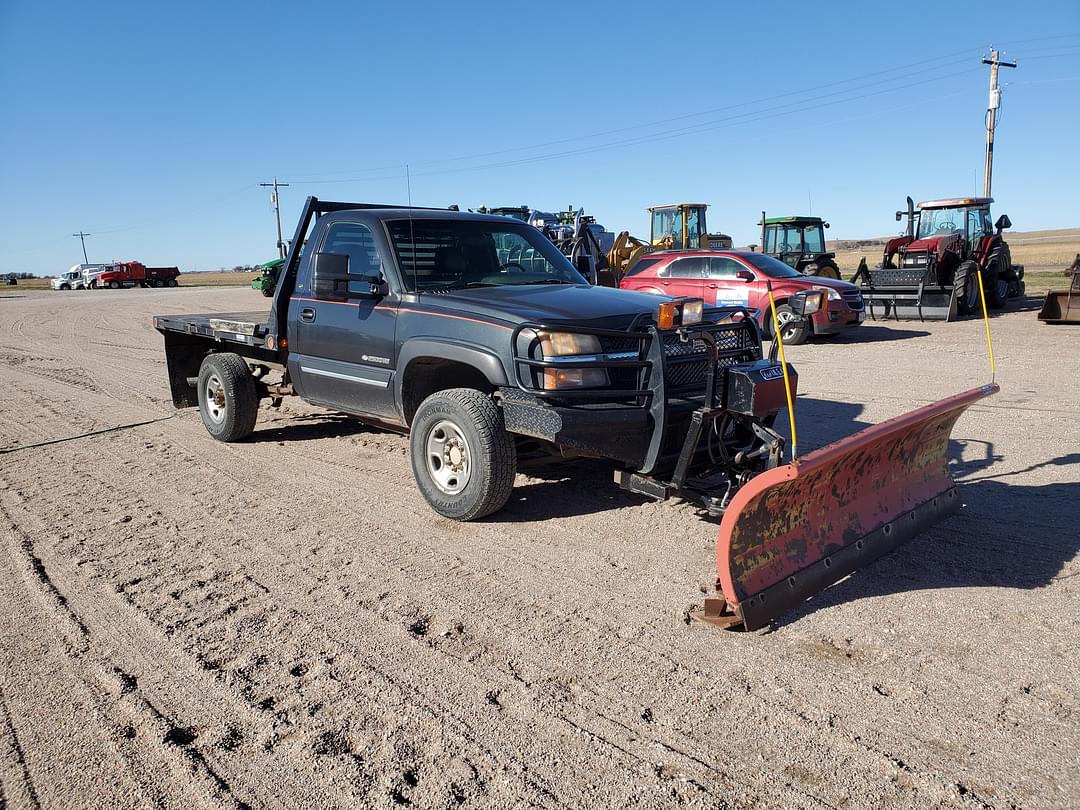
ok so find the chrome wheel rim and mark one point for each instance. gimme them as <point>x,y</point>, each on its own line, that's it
<point>785,318</point>
<point>448,459</point>
<point>214,396</point>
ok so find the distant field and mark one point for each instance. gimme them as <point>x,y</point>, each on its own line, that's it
<point>1044,254</point>
<point>225,279</point>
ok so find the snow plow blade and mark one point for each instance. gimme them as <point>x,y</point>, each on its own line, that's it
<point>794,530</point>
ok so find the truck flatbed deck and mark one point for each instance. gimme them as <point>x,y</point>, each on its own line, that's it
<point>249,328</point>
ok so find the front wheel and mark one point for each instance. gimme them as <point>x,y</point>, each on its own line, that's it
<point>966,288</point>
<point>463,459</point>
<point>793,329</point>
<point>114,285</point>
<point>228,401</point>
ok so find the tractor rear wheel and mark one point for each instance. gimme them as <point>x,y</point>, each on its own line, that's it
<point>966,288</point>
<point>822,269</point>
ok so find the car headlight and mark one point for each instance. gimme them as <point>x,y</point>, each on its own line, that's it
<point>571,347</point>
<point>834,295</point>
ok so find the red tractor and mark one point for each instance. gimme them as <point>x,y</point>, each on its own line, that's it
<point>932,271</point>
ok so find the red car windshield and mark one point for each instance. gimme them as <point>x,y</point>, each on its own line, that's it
<point>773,268</point>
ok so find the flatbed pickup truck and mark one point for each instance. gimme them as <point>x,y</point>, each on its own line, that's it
<point>477,336</point>
<point>484,343</point>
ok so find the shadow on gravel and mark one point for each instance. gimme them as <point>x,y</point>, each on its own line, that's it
<point>1007,536</point>
<point>306,428</point>
<point>875,332</point>
<point>565,489</point>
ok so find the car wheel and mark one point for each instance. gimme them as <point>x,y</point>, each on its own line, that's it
<point>228,401</point>
<point>793,329</point>
<point>463,459</point>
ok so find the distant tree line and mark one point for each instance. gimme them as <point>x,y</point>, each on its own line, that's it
<point>18,275</point>
<point>245,268</point>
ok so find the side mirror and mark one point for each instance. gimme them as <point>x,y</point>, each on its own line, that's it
<point>330,276</point>
<point>1002,223</point>
<point>744,275</point>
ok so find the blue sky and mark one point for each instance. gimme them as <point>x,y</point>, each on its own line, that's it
<point>150,125</point>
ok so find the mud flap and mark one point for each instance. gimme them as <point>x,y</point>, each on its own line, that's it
<point>794,530</point>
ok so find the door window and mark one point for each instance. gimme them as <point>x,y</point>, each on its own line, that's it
<point>687,268</point>
<point>355,241</point>
<point>721,267</point>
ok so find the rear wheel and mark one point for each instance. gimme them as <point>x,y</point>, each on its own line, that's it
<point>793,329</point>
<point>822,269</point>
<point>966,288</point>
<point>462,457</point>
<point>159,282</point>
<point>171,282</point>
<point>228,401</point>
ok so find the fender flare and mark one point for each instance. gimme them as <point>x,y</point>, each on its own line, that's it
<point>481,358</point>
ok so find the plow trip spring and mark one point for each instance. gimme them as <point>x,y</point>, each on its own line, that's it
<point>794,530</point>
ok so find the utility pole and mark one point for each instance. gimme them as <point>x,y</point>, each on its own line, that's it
<point>277,211</point>
<point>992,107</point>
<point>82,238</point>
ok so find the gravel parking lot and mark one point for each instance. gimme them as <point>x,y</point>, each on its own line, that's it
<point>284,623</point>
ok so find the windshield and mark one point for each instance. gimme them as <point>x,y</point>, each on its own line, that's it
<point>773,268</point>
<point>451,254</point>
<point>940,222</point>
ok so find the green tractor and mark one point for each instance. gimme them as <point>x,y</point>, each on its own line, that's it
<point>267,280</point>
<point>800,243</point>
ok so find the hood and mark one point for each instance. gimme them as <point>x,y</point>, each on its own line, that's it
<point>934,244</point>
<point>600,307</point>
<point>832,283</point>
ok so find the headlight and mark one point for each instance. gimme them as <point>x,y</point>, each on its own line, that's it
<point>570,347</point>
<point>834,295</point>
<point>684,312</point>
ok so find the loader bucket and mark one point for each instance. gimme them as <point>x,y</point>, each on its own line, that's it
<point>793,530</point>
<point>1061,306</point>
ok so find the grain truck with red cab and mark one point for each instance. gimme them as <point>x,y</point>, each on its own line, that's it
<point>133,274</point>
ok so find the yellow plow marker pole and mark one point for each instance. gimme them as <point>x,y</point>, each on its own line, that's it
<point>986,323</point>
<point>783,367</point>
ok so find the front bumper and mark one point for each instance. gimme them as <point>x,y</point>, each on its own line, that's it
<point>838,316</point>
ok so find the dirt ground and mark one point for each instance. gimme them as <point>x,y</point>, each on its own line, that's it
<point>283,622</point>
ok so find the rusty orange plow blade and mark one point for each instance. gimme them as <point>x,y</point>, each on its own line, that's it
<point>796,529</point>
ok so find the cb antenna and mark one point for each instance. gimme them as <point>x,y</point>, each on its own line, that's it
<point>412,233</point>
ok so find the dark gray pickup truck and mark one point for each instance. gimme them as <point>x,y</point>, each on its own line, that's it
<point>478,337</point>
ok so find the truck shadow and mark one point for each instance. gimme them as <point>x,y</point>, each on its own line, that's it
<point>307,427</point>
<point>876,332</point>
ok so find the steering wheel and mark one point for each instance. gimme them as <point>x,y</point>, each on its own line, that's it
<point>946,227</point>
<point>520,269</point>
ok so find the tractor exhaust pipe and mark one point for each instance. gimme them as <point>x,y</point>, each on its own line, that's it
<point>910,214</point>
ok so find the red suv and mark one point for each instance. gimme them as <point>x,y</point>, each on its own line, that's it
<point>738,278</point>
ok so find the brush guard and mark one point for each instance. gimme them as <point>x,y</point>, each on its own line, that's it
<point>794,530</point>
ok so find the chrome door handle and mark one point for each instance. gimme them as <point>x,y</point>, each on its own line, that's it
<point>307,315</point>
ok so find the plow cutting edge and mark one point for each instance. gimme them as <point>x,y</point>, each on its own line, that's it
<point>794,530</point>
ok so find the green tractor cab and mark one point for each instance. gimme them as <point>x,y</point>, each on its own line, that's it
<point>800,243</point>
<point>267,280</point>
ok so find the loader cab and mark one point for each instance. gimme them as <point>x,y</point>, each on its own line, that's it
<point>968,217</point>
<point>678,227</point>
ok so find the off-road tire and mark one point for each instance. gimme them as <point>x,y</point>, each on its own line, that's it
<point>825,269</point>
<point>966,288</point>
<point>793,335</point>
<point>492,457</point>
<point>239,407</point>
<point>995,281</point>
